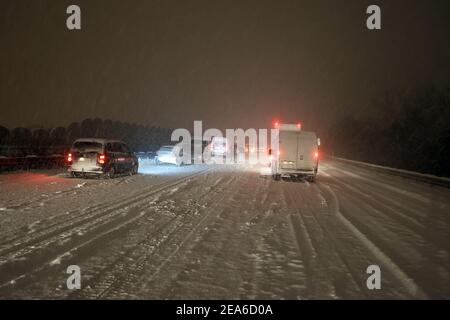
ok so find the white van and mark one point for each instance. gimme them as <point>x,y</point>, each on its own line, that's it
<point>297,154</point>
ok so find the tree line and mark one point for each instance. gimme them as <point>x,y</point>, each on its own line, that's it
<point>411,131</point>
<point>23,141</point>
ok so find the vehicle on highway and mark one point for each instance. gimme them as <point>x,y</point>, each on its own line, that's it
<point>201,145</point>
<point>171,154</point>
<point>146,155</point>
<point>262,153</point>
<point>219,146</point>
<point>297,154</point>
<point>101,157</point>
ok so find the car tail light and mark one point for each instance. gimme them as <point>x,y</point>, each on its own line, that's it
<point>316,155</point>
<point>69,158</point>
<point>101,158</point>
<point>278,152</point>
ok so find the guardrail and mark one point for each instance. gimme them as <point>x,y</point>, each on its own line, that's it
<point>31,162</point>
<point>428,178</point>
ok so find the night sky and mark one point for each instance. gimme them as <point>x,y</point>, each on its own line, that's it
<point>228,63</point>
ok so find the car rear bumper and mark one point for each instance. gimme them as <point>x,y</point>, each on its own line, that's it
<point>86,170</point>
<point>291,171</point>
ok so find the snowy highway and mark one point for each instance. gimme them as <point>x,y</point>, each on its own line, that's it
<point>226,232</point>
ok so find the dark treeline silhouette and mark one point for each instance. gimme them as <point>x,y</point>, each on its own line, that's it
<point>411,132</point>
<point>21,141</point>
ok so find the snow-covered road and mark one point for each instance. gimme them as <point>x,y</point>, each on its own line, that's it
<point>223,232</point>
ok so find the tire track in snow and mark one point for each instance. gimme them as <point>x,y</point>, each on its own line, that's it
<point>414,190</point>
<point>407,249</point>
<point>111,283</point>
<point>42,199</point>
<point>20,275</point>
<point>388,217</point>
<point>413,289</point>
<point>328,258</point>
<point>426,225</point>
<point>87,215</point>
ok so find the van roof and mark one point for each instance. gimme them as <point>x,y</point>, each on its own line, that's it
<point>308,133</point>
<point>301,132</point>
<point>98,140</point>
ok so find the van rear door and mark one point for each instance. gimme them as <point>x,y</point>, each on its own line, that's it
<point>307,147</point>
<point>288,145</point>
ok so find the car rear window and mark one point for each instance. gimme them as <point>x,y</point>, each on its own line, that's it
<point>82,145</point>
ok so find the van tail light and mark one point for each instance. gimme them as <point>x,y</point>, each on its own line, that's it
<point>69,158</point>
<point>101,159</point>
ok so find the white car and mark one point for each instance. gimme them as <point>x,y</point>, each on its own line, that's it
<point>169,154</point>
<point>101,157</point>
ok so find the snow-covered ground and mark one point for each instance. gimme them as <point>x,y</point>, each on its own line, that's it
<point>223,232</point>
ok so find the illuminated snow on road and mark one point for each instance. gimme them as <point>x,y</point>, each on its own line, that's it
<point>223,232</point>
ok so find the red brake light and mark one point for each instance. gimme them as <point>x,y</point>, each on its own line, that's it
<point>299,125</point>
<point>101,159</point>
<point>276,124</point>
<point>316,155</point>
<point>278,152</point>
<point>69,157</point>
